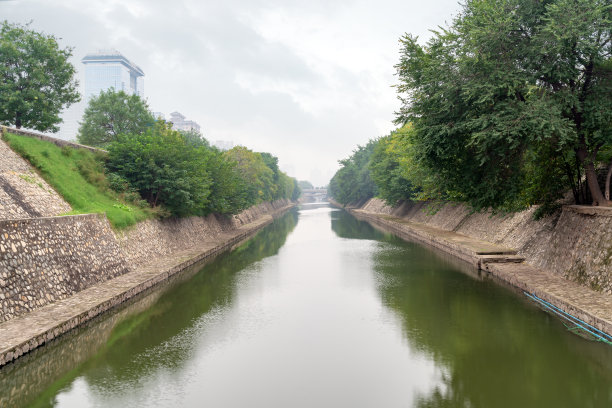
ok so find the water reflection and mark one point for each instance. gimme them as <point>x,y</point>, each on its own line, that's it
<point>492,348</point>
<point>305,315</point>
<point>98,352</point>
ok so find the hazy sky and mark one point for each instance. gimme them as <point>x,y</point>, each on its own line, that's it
<point>304,80</point>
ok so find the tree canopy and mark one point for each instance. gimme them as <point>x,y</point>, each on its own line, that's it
<point>163,168</point>
<point>511,105</point>
<point>112,113</point>
<point>187,176</point>
<point>305,184</point>
<point>36,79</point>
<point>352,184</point>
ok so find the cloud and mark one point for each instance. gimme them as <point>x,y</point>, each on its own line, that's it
<point>306,81</point>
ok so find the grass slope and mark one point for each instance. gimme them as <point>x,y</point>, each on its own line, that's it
<point>78,176</point>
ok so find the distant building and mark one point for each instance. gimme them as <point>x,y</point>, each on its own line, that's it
<point>107,69</point>
<point>158,115</point>
<point>223,144</point>
<point>104,69</point>
<point>179,122</point>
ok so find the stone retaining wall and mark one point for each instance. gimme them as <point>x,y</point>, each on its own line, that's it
<point>575,243</point>
<point>152,239</point>
<point>23,193</point>
<point>43,260</point>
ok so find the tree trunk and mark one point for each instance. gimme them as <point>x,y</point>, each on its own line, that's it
<point>591,176</point>
<point>18,121</point>
<point>608,177</point>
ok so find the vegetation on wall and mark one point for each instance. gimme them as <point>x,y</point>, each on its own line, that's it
<point>78,175</point>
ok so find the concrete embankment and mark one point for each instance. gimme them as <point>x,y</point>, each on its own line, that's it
<point>563,259</point>
<point>194,241</point>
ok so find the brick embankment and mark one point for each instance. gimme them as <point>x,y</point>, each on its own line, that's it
<point>504,264</point>
<point>25,333</point>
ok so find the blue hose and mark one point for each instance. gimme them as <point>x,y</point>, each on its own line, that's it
<point>602,336</point>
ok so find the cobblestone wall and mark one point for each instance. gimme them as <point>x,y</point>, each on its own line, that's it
<point>23,193</point>
<point>46,259</point>
<point>575,243</point>
<point>152,239</point>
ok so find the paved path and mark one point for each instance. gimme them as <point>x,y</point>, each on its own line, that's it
<point>592,307</point>
<point>22,334</point>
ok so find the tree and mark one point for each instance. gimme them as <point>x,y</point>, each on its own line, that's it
<point>228,190</point>
<point>515,92</point>
<point>352,183</point>
<point>386,169</point>
<point>259,178</point>
<point>305,185</point>
<point>194,137</point>
<point>113,113</point>
<point>297,191</point>
<point>164,168</point>
<point>36,79</point>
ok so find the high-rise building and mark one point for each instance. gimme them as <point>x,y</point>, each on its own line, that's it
<point>107,69</point>
<point>104,69</point>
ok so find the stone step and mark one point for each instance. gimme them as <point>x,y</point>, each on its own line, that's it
<point>508,258</point>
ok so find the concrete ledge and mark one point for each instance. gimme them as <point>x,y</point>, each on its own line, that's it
<point>469,249</point>
<point>54,140</point>
<point>589,210</point>
<point>23,334</point>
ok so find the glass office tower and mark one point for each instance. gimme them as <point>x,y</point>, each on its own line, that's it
<point>107,69</point>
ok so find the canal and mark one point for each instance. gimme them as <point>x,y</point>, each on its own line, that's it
<point>319,310</point>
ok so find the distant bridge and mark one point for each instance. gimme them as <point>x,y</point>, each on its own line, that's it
<point>313,195</point>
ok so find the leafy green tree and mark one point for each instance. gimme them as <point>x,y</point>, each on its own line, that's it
<point>254,171</point>
<point>228,190</point>
<point>305,185</point>
<point>113,113</point>
<point>275,192</point>
<point>352,183</point>
<point>194,137</point>
<point>164,168</point>
<point>36,79</point>
<point>513,93</point>
<point>297,191</point>
<point>386,169</point>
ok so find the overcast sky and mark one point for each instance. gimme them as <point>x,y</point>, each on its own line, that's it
<point>304,80</point>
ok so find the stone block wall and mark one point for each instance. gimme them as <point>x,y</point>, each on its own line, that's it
<point>43,260</point>
<point>574,243</point>
<point>23,193</point>
<point>153,239</point>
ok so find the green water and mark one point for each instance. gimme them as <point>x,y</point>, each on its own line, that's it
<point>319,310</point>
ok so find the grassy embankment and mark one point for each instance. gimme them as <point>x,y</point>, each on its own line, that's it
<point>78,176</point>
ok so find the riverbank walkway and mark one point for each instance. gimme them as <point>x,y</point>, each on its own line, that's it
<point>506,266</point>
